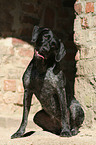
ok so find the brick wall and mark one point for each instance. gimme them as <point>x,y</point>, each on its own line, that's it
<point>15,55</point>
<point>85,39</point>
<point>17,19</point>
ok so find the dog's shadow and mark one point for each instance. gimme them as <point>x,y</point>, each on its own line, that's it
<point>32,132</point>
<point>28,133</point>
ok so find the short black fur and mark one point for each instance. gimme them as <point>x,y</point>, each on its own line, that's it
<point>61,113</point>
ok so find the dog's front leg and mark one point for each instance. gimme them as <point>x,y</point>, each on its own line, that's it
<point>65,130</point>
<point>26,108</point>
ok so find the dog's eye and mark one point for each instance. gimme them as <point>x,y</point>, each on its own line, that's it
<point>46,37</point>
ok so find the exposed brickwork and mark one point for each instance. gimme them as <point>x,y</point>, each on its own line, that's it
<point>10,85</point>
<point>14,59</point>
<point>16,41</point>
<point>84,23</point>
<point>85,38</point>
<point>78,8</point>
<point>89,7</point>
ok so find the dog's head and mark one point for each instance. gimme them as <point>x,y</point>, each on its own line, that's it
<point>47,43</point>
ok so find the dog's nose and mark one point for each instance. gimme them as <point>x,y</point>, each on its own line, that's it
<point>33,40</point>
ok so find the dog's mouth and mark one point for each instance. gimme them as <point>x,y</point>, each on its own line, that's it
<point>39,55</point>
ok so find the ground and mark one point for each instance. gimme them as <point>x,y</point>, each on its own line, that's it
<point>9,123</point>
<point>85,137</point>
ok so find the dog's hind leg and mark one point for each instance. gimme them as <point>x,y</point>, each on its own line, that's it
<point>46,122</point>
<point>76,116</point>
<point>26,108</point>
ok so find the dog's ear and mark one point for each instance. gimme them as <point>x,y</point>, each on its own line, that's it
<point>60,52</point>
<point>35,33</point>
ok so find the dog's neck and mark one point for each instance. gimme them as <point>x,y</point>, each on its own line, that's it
<point>42,64</point>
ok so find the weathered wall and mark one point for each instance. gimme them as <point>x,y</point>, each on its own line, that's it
<point>17,19</point>
<point>85,39</point>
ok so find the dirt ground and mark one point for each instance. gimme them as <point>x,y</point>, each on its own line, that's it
<point>39,137</point>
<point>9,123</point>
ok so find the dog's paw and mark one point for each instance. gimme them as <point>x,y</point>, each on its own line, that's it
<point>74,131</point>
<point>18,134</point>
<point>65,133</point>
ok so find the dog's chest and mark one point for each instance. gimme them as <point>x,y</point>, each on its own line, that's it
<point>49,96</point>
<point>53,79</point>
<point>37,80</point>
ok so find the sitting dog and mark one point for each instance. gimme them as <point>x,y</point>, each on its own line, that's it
<point>44,78</point>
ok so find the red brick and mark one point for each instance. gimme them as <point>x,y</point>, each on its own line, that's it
<point>30,19</point>
<point>26,33</point>
<point>10,85</point>
<point>16,41</point>
<point>25,62</point>
<point>89,7</point>
<point>25,52</point>
<point>29,8</point>
<point>49,18</point>
<point>78,8</point>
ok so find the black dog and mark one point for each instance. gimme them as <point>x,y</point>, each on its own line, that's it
<point>44,78</point>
